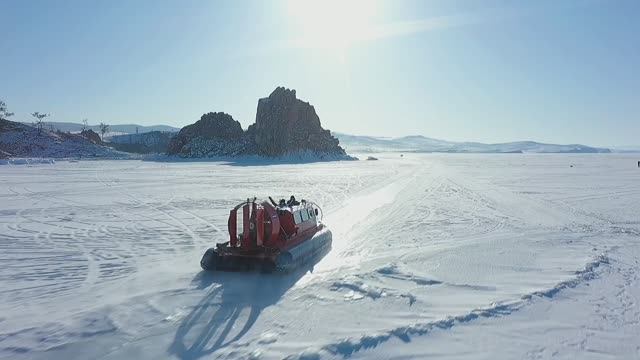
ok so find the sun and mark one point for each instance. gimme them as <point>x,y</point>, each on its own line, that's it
<point>331,24</point>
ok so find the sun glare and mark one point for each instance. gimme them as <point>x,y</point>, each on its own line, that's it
<point>331,24</point>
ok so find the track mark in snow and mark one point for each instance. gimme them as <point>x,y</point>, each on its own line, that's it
<point>392,271</point>
<point>346,221</point>
<point>176,316</point>
<point>268,337</point>
<point>54,335</point>
<point>348,346</point>
<point>357,289</point>
<point>588,273</point>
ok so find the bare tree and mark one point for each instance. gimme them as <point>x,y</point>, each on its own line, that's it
<point>39,122</point>
<point>104,128</point>
<point>4,112</point>
<point>85,124</point>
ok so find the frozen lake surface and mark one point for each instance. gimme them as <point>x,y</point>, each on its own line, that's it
<point>450,256</point>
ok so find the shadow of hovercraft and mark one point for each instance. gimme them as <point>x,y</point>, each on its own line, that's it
<point>211,324</point>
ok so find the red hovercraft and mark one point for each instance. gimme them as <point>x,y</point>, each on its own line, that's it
<point>274,237</point>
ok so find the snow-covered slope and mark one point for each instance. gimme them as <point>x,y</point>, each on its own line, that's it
<point>115,128</point>
<point>419,143</point>
<point>20,140</point>
<point>438,255</point>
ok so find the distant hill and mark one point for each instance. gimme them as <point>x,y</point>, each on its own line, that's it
<point>626,149</point>
<point>418,143</point>
<point>119,128</point>
<point>19,140</point>
<point>142,143</point>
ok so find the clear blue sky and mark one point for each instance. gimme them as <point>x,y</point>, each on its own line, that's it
<point>491,71</point>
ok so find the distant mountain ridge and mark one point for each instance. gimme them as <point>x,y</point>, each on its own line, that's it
<point>411,143</point>
<point>419,143</point>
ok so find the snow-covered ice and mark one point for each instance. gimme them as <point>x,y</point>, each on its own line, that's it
<point>449,255</point>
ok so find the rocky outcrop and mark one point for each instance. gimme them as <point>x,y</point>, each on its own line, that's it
<point>7,126</point>
<point>284,125</point>
<point>217,130</point>
<point>91,136</point>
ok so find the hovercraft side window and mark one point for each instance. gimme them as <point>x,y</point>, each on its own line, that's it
<point>305,214</point>
<point>297,217</point>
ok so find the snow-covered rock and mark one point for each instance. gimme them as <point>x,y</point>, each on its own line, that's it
<point>91,136</point>
<point>284,126</point>
<point>215,134</point>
